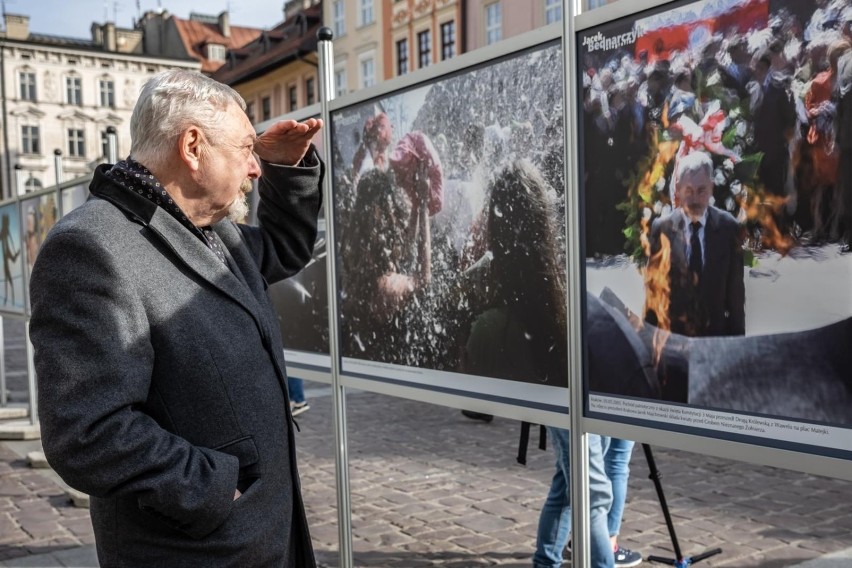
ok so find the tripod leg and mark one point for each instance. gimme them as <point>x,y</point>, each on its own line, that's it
<point>655,477</point>
<point>706,554</point>
<point>678,561</point>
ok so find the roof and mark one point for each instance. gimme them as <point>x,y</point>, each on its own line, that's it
<point>87,45</point>
<point>287,42</point>
<point>197,34</point>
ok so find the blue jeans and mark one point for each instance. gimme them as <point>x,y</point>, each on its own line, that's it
<point>296,389</point>
<point>617,468</point>
<point>554,524</point>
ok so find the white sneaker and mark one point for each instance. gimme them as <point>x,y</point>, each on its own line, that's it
<point>296,408</point>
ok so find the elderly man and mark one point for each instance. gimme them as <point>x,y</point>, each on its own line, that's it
<point>162,387</point>
<point>706,275</point>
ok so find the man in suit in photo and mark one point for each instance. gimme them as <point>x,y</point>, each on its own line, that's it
<point>706,274</point>
<point>161,379</point>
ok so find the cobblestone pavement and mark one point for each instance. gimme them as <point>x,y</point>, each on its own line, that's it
<point>36,517</point>
<point>432,488</point>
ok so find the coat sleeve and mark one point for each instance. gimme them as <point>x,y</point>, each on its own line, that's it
<point>290,200</point>
<point>94,361</point>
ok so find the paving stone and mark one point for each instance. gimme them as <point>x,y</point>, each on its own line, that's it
<point>430,489</point>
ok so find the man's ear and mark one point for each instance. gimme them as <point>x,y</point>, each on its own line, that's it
<point>190,147</point>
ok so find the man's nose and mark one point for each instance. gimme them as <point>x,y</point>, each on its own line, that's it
<point>254,167</point>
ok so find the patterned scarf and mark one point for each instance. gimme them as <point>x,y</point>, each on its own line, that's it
<point>133,176</point>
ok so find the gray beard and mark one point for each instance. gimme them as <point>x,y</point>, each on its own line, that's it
<point>238,210</point>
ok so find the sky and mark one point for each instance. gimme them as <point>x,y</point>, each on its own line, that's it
<point>73,18</point>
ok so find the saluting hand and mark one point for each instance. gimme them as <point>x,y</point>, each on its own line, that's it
<point>286,142</point>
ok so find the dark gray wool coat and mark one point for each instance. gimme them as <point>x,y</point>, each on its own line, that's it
<point>161,376</point>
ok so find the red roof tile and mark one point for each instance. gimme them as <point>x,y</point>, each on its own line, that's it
<point>196,35</point>
<point>288,41</point>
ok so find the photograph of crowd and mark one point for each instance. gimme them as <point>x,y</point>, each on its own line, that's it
<point>40,215</point>
<point>13,262</point>
<point>449,215</point>
<point>716,157</point>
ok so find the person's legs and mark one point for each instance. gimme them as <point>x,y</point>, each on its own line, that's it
<point>554,523</point>
<point>296,390</point>
<point>617,468</point>
<point>555,520</point>
<point>600,501</point>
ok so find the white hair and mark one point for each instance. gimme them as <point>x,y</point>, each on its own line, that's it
<point>692,163</point>
<point>170,102</point>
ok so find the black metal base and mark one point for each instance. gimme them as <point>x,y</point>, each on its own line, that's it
<point>684,562</point>
<point>681,561</point>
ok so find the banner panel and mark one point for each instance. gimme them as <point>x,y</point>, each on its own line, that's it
<point>716,166</point>
<point>13,300</point>
<point>449,218</point>
<point>301,301</point>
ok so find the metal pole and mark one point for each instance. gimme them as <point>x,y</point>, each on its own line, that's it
<point>7,157</point>
<point>57,164</point>
<point>344,501</point>
<point>112,145</point>
<point>19,180</point>
<point>31,376</point>
<point>579,465</point>
<point>3,396</point>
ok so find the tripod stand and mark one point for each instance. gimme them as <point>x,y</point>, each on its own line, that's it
<point>679,561</point>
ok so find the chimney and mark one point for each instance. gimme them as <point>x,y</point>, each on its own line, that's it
<point>293,7</point>
<point>110,43</point>
<point>225,24</point>
<point>17,27</point>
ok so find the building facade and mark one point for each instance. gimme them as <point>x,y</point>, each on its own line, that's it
<point>490,21</point>
<point>358,51</point>
<point>205,38</point>
<point>420,33</point>
<point>61,94</point>
<point>278,72</point>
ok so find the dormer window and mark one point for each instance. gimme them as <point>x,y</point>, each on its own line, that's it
<point>216,52</point>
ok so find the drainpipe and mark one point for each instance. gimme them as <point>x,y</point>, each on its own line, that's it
<point>8,158</point>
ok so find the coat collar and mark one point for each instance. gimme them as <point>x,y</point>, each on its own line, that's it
<point>186,246</point>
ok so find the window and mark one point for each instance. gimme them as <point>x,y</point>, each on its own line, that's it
<point>32,184</point>
<point>552,11</point>
<point>493,23</point>
<point>30,140</point>
<point>340,87</point>
<point>338,18</point>
<point>74,90</point>
<point>216,52</point>
<point>424,48</point>
<point>596,3</point>
<point>365,14</point>
<point>104,145</point>
<point>368,72</point>
<point>402,57</point>
<point>265,108</point>
<point>28,86</point>
<point>76,143</point>
<point>448,40</point>
<point>293,97</point>
<point>107,90</point>
<point>310,88</point>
